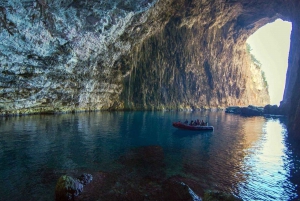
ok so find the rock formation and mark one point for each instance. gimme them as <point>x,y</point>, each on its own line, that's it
<point>68,55</point>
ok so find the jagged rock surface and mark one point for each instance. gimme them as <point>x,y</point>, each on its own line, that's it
<point>186,66</point>
<point>59,55</point>
<point>84,55</point>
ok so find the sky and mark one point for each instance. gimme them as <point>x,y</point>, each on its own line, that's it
<point>270,45</point>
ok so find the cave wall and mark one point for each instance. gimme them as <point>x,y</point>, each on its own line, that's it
<point>191,64</point>
<point>146,54</point>
<point>291,99</point>
<point>86,55</point>
<point>58,56</point>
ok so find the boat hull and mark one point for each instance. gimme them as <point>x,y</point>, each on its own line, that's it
<point>193,128</point>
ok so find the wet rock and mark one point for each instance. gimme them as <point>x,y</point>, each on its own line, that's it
<point>245,111</point>
<point>251,111</point>
<point>139,178</point>
<point>271,109</point>
<point>178,191</point>
<point>274,110</point>
<point>219,196</point>
<point>67,188</point>
<point>267,111</point>
<point>123,186</point>
<point>102,187</point>
<point>233,109</point>
<point>85,178</point>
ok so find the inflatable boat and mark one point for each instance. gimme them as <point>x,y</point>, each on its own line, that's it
<point>181,125</point>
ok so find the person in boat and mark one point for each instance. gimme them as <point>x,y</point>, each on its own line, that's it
<point>202,123</point>
<point>192,123</point>
<point>198,122</point>
<point>186,121</point>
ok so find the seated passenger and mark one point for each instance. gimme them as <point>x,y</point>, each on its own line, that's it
<point>202,123</point>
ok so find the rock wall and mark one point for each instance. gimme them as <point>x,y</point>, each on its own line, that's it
<point>291,98</point>
<point>85,55</point>
<point>191,64</point>
<point>59,55</point>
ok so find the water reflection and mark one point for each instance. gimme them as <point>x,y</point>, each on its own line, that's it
<point>267,166</point>
<point>249,157</point>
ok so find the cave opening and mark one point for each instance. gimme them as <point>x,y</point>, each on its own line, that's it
<point>270,46</point>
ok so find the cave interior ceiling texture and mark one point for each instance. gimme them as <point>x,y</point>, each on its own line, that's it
<point>71,55</point>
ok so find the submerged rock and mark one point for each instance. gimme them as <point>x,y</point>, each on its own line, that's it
<point>67,188</point>
<point>144,156</point>
<point>125,186</point>
<point>219,196</point>
<point>178,191</point>
<point>142,176</point>
<point>147,162</point>
<point>85,178</point>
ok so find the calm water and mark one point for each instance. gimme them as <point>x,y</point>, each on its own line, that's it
<point>249,157</point>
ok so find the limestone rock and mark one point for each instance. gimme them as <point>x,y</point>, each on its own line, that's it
<point>274,110</point>
<point>65,56</point>
<point>233,109</point>
<point>73,55</point>
<point>252,111</point>
<point>85,178</point>
<point>67,188</point>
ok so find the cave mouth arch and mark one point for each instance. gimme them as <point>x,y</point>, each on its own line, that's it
<point>270,45</point>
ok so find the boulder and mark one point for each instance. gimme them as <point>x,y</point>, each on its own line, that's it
<point>85,178</point>
<point>275,110</point>
<point>233,109</point>
<point>67,188</point>
<point>271,109</point>
<point>251,111</point>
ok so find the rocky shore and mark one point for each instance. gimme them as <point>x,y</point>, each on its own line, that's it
<point>268,110</point>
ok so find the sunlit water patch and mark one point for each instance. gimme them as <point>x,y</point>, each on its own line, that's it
<point>268,165</point>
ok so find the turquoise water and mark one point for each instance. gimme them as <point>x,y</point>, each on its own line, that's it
<point>249,157</point>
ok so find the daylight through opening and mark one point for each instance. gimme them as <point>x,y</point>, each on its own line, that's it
<point>270,45</point>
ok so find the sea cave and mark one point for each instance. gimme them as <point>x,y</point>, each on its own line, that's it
<point>69,56</point>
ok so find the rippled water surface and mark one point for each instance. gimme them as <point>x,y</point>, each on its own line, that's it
<point>249,157</point>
